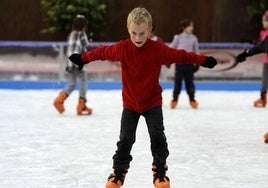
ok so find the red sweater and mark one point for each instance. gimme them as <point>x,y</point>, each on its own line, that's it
<point>141,69</point>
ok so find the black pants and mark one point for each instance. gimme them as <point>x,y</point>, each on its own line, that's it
<point>184,72</point>
<point>129,122</point>
<point>264,82</point>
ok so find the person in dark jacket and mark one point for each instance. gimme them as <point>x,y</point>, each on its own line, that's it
<point>263,34</point>
<point>261,47</point>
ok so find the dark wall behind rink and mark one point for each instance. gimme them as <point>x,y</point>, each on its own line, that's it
<point>214,20</point>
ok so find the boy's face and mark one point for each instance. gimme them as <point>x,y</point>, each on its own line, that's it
<point>139,33</point>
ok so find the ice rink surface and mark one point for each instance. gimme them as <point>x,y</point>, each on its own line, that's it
<point>219,145</point>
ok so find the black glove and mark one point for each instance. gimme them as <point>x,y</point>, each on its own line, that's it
<point>242,56</point>
<point>76,59</point>
<point>210,62</point>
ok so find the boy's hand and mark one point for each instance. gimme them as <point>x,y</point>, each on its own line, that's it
<point>242,56</point>
<point>76,59</point>
<point>210,62</point>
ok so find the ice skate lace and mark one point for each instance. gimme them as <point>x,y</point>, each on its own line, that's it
<point>119,174</point>
<point>160,173</point>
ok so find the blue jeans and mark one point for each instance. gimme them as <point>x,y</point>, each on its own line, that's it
<point>73,77</point>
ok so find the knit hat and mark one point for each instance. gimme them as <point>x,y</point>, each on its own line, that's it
<point>265,16</point>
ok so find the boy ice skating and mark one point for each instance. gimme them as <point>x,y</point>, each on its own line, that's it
<point>141,59</point>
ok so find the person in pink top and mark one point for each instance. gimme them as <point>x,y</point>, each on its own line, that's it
<point>264,33</point>
<point>260,47</point>
<point>262,101</point>
<point>141,59</point>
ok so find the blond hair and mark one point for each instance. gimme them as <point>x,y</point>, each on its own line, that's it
<point>138,16</point>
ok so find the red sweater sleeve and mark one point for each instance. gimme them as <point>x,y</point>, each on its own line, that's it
<point>110,53</point>
<point>181,56</point>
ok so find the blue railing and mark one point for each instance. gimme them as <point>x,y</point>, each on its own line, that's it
<point>42,44</point>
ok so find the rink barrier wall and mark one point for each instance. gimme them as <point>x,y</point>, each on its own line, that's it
<point>36,62</point>
<point>56,44</point>
<point>116,85</point>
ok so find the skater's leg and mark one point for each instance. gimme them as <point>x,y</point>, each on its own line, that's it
<point>189,84</point>
<point>264,77</point>
<point>261,102</point>
<point>122,157</point>
<point>177,86</point>
<point>71,81</point>
<point>159,146</point>
<point>59,100</point>
<point>82,107</point>
<point>127,138</point>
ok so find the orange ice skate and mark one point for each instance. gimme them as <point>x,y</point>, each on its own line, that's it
<point>82,109</point>
<point>173,104</point>
<point>160,179</point>
<point>116,179</point>
<point>262,101</point>
<point>194,103</point>
<point>58,102</point>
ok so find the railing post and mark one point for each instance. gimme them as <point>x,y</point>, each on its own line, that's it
<point>61,61</point>
<point>59,47</point>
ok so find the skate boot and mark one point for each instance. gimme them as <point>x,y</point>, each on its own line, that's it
<point>117,178</point>
<point>193,103</point>
<point>82,109</point>
<point>265,136</point>
<point>58,102</point>
<point>173,103</point>
<point>262,101</point>
<point>160,179</point>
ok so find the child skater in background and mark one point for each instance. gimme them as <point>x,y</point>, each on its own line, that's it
<point>141,59</point>
<point>77,43</point>
<point>189,42</point>
<point>261,47</point>
<point>264,33</point>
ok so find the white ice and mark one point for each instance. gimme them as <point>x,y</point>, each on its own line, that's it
<point>219,145</point>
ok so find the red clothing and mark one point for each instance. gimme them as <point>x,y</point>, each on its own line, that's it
<point>263,34</point>
<point>141,69</point>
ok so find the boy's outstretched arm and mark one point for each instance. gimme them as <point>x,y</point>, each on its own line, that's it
<point>210,61</point>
